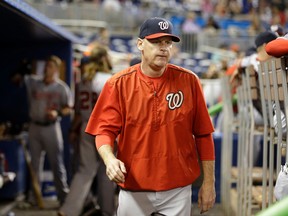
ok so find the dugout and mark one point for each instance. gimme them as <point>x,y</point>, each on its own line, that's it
<point>26,34</point>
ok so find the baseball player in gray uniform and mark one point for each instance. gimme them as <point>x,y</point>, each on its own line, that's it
<point>49,99</point>
<point>91,164</point>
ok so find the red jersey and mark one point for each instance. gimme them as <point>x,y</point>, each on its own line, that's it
<point>157,126</point>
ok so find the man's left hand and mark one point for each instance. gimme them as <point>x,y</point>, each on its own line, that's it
<point>206,197</point>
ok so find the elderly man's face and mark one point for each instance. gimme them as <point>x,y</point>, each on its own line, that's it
<point>156,52</point>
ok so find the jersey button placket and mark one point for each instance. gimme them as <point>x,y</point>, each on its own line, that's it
<point>155,123</point>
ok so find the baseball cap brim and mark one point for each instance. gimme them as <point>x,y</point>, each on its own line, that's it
<point>158,35</point>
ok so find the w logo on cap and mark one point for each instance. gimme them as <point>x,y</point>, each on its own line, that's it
<point>157,27</point>
<point>163,25</point>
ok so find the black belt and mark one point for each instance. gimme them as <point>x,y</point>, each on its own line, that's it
<point>43,123</point>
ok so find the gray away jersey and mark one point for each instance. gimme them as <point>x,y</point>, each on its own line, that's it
<point>43,97</point>
<point>87,93</point>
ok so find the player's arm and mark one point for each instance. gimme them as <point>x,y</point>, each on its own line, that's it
<point>105,123</point>
<point>65,111</point>
<point>202,131</point>
<point>67,103</point>
<point>206,194</point>
<point>208,171</point>
<point>53,114</point>
<point>115,169</point>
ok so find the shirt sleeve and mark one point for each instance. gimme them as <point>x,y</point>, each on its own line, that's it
<point>104,140</point>
<point>202,123</point>
<point>67,97</point>
<point>205,147</point>
<point>30,83</point>
<point>105,118</point>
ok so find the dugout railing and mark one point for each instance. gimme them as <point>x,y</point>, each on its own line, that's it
<point>251,188</point>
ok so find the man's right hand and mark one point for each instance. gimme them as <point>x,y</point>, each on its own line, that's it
<point>115,169</point>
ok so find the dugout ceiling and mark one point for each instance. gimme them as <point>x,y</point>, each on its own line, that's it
<point>21,23</point>
<point>28,34</point>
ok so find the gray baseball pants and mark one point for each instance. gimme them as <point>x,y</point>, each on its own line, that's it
<point>169,203</point>
<point>49,140</point>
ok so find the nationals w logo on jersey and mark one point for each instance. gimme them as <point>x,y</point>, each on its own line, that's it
<point>175,100</point>
<point>163,25</point>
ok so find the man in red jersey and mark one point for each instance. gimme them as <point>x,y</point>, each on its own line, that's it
<point>159,115</point>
